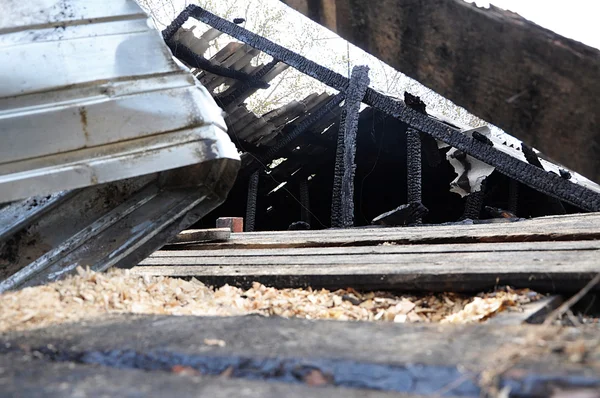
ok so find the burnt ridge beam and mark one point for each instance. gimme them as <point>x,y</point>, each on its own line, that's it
<point>342,201</point>
<point>546,182</point>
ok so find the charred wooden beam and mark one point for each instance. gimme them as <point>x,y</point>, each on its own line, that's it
<point>547,183</point>
<point>304,201</point>
<point>535,84</point>
<point>413,168</point>
<point>342,201</point>
<point>251,203</point>
<point>474,204</point>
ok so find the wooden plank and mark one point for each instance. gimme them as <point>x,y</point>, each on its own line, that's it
<point>556,228</point>
<point>529,81</point>
<point>190,236</point>
<point>391,267</point>
<point>533,313</point>
<point>379,249</point>
<point>402,358</point>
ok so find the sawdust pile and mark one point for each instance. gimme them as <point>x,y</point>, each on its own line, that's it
<point>90,294</point>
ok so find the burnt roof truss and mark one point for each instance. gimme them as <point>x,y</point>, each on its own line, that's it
<point>531,175</point>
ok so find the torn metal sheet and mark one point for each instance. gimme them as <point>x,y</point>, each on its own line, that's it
<point>117,155</point>
<point>115,224</point>
<point>92,95</point>
<point>470,172</point>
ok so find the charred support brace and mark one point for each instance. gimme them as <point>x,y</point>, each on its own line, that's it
<point>413,167</point>
<point>251,203</point>
<point>342,201</point>
<point>545,182</point>
<point>304,201</point>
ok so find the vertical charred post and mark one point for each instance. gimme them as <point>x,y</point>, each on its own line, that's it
<point>474,204</point>
<point>251,203</point>
<point>304,201</point>
<point>342,203</point>
<point>413,167</point>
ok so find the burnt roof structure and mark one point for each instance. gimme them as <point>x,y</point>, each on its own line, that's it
<point>304,133</point>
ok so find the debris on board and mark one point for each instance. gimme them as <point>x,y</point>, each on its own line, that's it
<point>89,294</point>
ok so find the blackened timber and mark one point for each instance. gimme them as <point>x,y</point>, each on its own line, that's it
<point>547,183</point>
<point>413,167</point>
<point>191,58</point>
<point>342,202</point>
<point>474,204</point>
<point>304,201</point>
<point>362,357</point>
<point>251,203</point>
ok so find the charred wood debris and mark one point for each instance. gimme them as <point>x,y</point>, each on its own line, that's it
<point>321,162</point>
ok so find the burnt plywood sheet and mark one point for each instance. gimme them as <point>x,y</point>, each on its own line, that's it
<point>409,359</point>
<point>22,375</point>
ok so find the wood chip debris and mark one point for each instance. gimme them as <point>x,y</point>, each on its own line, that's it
<point>90,294</point>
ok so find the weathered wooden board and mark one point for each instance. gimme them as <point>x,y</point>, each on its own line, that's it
<point>555,228</point>
<point>414,359</point>
<point>514,247</point>
<point>548,266</point>
<point>537,85</point>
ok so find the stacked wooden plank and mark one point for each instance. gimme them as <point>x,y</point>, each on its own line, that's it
<point>548,253</point>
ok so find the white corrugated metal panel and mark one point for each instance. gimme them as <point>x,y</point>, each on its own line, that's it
<point>91,94</point>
